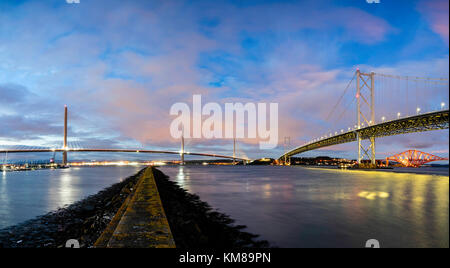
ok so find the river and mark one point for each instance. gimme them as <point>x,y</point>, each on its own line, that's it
<point>292,206</point>
<point>288,206</point>
<point>27,194</point>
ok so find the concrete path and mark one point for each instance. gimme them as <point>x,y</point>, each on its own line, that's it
<point>141,221</point>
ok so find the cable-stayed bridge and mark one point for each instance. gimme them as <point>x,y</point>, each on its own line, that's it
<point>415,104</point>
<point>75,147</point>
<point>93,150</point>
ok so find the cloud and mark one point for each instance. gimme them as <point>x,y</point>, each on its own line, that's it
<point>13,94</point>
<point>21,127</point>
<point>437,14</point>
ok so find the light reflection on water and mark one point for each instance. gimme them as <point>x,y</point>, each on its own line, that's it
<point>309,207</point>
<point>181,177</point>
<point>27,194</point>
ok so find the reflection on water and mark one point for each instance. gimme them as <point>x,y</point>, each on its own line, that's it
<point>27,194</point>
<point>309,207</point>
<point>181,177</point>
<point>65,187</point>
<point>373,195</point>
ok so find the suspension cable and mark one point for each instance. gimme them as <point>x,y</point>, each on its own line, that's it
<point>341,97</point>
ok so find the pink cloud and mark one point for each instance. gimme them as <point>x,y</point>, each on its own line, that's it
<point>437,14</point>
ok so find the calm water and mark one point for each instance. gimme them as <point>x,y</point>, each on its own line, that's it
<point>289,206</point>
<point>26,194</point>
<point>310,207</point>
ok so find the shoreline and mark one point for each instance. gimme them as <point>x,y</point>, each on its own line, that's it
<point>377,170</point>
<point>193,222</point>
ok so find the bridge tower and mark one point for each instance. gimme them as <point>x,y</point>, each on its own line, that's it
<point>64,161</point>
<point>182,150</point>
<point>287,143</point>
<point>234,151</point>
<point>365,91</point>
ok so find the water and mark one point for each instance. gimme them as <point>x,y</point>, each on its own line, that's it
<point>310,207</point>
<point>288,206</point>
<point>27,194</point>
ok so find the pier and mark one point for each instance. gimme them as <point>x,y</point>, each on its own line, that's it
<point>141,221</point>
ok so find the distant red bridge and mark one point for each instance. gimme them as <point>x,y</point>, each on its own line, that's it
<point>413,158</point>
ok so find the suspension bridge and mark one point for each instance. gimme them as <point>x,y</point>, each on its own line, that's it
<point>422,100</point>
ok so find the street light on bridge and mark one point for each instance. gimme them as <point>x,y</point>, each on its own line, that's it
<point>442,105</point>
<point>398,115</point>
<point>418,110</point>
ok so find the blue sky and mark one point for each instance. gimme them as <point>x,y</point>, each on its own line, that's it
<point>120,65</point>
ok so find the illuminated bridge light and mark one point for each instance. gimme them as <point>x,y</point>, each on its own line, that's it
<point>398,115</point>
<point>418,110</point>
<point>383,118</point>
<point>442,105</point>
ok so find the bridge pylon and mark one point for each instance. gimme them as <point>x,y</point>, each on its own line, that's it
<point>365,109</point>
<point>182,150</point>
<point>234,151</point>
<point>64,160</point>
<point>287,142</point>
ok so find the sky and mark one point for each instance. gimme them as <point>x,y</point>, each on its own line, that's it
<point>121,65</point>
